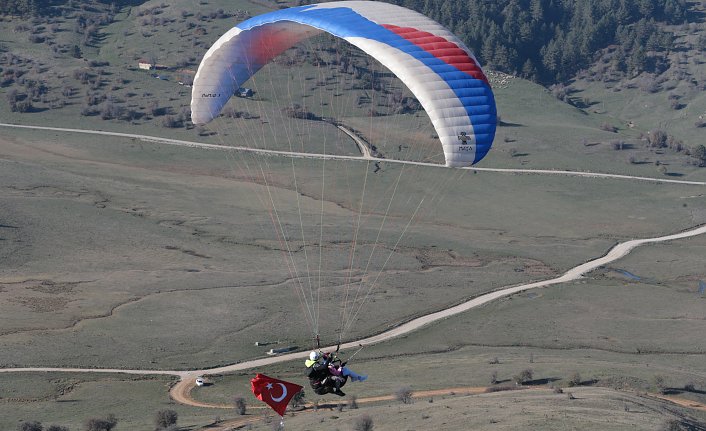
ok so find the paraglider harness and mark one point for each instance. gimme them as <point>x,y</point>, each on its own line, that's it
<point>320,377</point>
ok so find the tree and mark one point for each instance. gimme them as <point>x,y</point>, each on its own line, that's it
<point>657,138</point>
<point>524,377</point>
<point>165,418</point>
<point>363,423</point>
<point>57,428</point>
<point>699,153</point>
<point>100,424</point>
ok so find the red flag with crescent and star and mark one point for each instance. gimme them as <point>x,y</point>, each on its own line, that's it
<point>276,393</point>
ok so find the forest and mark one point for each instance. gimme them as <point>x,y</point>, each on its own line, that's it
<point>547,41</point>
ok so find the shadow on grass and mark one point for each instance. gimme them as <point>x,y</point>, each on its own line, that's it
<point>679,391</point>
<point>506,124</point>
<point>540,382</point>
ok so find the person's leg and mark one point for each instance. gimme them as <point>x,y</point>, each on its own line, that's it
<point>353,375</point>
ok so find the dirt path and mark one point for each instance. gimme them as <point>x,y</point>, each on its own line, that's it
<point>366,156</point>
<point>181,391</point>
<point>460,391</point>
<point>362,146</point>
<point>617,252</point>
<point>682,402</point>
<point>333,403</point>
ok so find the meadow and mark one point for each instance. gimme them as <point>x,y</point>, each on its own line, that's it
<point>121,252</point>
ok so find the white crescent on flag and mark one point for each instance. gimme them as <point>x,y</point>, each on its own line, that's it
<point>281,397</point>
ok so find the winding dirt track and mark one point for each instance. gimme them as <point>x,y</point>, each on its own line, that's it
<point>181,391</point>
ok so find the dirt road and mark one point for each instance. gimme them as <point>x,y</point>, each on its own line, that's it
<point>364,149</point>
<point>460,391</point>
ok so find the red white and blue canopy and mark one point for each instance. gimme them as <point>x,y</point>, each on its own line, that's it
<point>434,64</point>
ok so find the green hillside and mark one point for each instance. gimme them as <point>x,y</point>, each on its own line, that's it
<point>120,251</point>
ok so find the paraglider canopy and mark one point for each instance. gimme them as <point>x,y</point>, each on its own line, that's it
<point>434,64</point>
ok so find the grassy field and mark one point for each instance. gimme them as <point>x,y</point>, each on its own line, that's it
<point>175,255</point>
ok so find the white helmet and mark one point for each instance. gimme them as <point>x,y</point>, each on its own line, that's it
<point>314,356</point>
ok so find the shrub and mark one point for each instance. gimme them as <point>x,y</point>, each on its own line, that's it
<point>298,399</point>
<point>171,121</point>
<point>57,428</point>
<point>404,394</point>
<point>240,406</point>
<point>523,377</point>
<point>659,383</point>
<point>363,423</point>
<point>575,379</point>
<point>100,424</point>
<point>30,426</point>
<point>165,418</point>
<point>699,153</point>
<point>672,425</point>
<point>353,402</point>
<point>617,144</point>
<point>657,138</point>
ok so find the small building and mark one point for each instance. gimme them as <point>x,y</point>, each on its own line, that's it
<point>282,350</point>
<point>144,65</point>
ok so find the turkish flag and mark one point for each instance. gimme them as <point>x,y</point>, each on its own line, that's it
<point>276,393</point>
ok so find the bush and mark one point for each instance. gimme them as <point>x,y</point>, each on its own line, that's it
<point>363,423</point>
<point>617,144</point>
<point>30,426</point>
<point>659,383</point>
<point>57,428</point>
<point>165,418</point>
<point>353,402</point>
<point>699,153</point>
<point>298,399</point>
<point>100,424</point>
<point>404,394</point>
<point>672,425</point>
<point>240,406</point>
<point>523,377</point>
<point>575,379</point>
<point>657,138</point>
